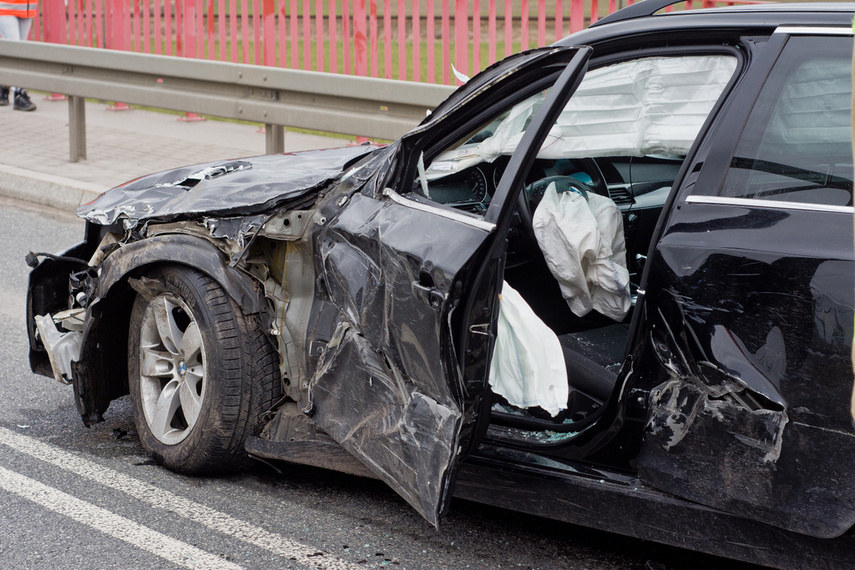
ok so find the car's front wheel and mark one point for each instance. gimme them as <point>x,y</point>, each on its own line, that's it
<point>201,373</point>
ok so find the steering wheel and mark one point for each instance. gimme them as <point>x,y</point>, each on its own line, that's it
<point>598,182</point>
<point>531,195</point>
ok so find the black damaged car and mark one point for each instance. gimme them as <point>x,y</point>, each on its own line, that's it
<point>608,281</point>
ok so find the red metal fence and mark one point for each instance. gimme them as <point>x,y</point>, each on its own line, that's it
<point>396,39</point>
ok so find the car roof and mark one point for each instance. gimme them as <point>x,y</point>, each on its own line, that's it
<point>640,18</point>
<point>647,8</point>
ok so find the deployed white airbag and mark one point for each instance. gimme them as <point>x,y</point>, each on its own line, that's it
<point>651,106</point>
<point>583,243</point>
<point>528,365</point>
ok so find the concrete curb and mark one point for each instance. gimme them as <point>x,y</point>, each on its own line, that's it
<point>45,189</point>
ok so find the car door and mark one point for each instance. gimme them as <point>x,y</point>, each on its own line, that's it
<point>414,286</point>
<point>749,301</point>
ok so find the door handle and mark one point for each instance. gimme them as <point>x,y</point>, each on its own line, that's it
<point>425,289</point>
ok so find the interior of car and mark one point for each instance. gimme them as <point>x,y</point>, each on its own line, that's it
<point>622,138</point>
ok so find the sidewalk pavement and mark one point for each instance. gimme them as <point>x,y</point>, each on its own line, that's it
<point>121,146</point>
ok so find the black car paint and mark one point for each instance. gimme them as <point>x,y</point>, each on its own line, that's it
<point>780,257</point>
<point>724,344</point>
<point>694,350</point>
<point>782,276</point>
<point>388,387</point>
<point>394,376</point>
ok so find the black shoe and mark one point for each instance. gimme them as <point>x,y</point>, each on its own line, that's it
<point>4,96</point>
<point>22,101</point>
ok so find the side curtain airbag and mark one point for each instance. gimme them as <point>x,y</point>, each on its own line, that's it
<point>652,106</point>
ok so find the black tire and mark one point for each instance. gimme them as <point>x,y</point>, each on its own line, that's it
<point>238,365</point>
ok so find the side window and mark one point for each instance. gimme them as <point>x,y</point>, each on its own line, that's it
<point>797,143</point>
<point>649,108</point>
<point>465,174</point>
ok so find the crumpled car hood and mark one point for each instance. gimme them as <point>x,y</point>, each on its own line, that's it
<point>244,186</point>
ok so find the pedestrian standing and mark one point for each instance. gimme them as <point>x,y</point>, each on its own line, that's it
<point>16,19</point>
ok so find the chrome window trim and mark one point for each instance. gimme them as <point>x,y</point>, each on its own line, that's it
<point>813,30</point>
<point>773,204</point>
<point>451,215</point>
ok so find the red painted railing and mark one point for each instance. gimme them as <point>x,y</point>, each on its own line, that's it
<point>417,40</point>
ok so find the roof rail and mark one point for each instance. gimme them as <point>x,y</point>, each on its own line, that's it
<point>638,10</point>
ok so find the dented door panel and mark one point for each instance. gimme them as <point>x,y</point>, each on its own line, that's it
<point>389,387</point>
<point>751,314</point>
<point>381,387</point>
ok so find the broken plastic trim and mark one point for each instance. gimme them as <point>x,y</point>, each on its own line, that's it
<point>62,348</point>
<point>450,214</point>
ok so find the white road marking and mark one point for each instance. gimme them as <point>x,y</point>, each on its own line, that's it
<point>111,524</point>
<point>197,512</point>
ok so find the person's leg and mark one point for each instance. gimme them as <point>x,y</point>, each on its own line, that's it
<point>20,96</point>
<point>24,25</point>
<point>10,28</point>
<point>22,100</point>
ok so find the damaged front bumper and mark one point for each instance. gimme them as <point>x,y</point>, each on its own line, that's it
<point>62,347</point>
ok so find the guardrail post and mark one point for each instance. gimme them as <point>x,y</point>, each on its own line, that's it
<point>274,139</point>
<point>76,128</point>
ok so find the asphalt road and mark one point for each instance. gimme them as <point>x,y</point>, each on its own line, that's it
<point>72,497</point>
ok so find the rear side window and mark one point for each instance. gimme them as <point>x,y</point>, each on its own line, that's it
<point>797,143</point>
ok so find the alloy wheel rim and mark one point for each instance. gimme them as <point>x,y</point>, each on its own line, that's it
<point>173,371</point>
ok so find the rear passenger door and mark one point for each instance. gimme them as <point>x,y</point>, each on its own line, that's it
<point>750,300</point>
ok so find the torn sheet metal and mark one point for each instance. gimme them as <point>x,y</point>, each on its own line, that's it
<point>387,386</point>
<point>758,372</point>
<point>759,464</point>
<point>185,249</point>
<point>681,409</point>
<point>369,176</point>
<point>725,386</point>
<point>245,187</point>
<point>404,436</point>
<point>708,436</point>
<point>291,436</point>
<point>240,230</point>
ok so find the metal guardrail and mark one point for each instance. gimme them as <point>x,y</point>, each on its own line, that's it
<point>371,107</point>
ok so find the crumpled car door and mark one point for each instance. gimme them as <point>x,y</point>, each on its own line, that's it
<point>409,280</point>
